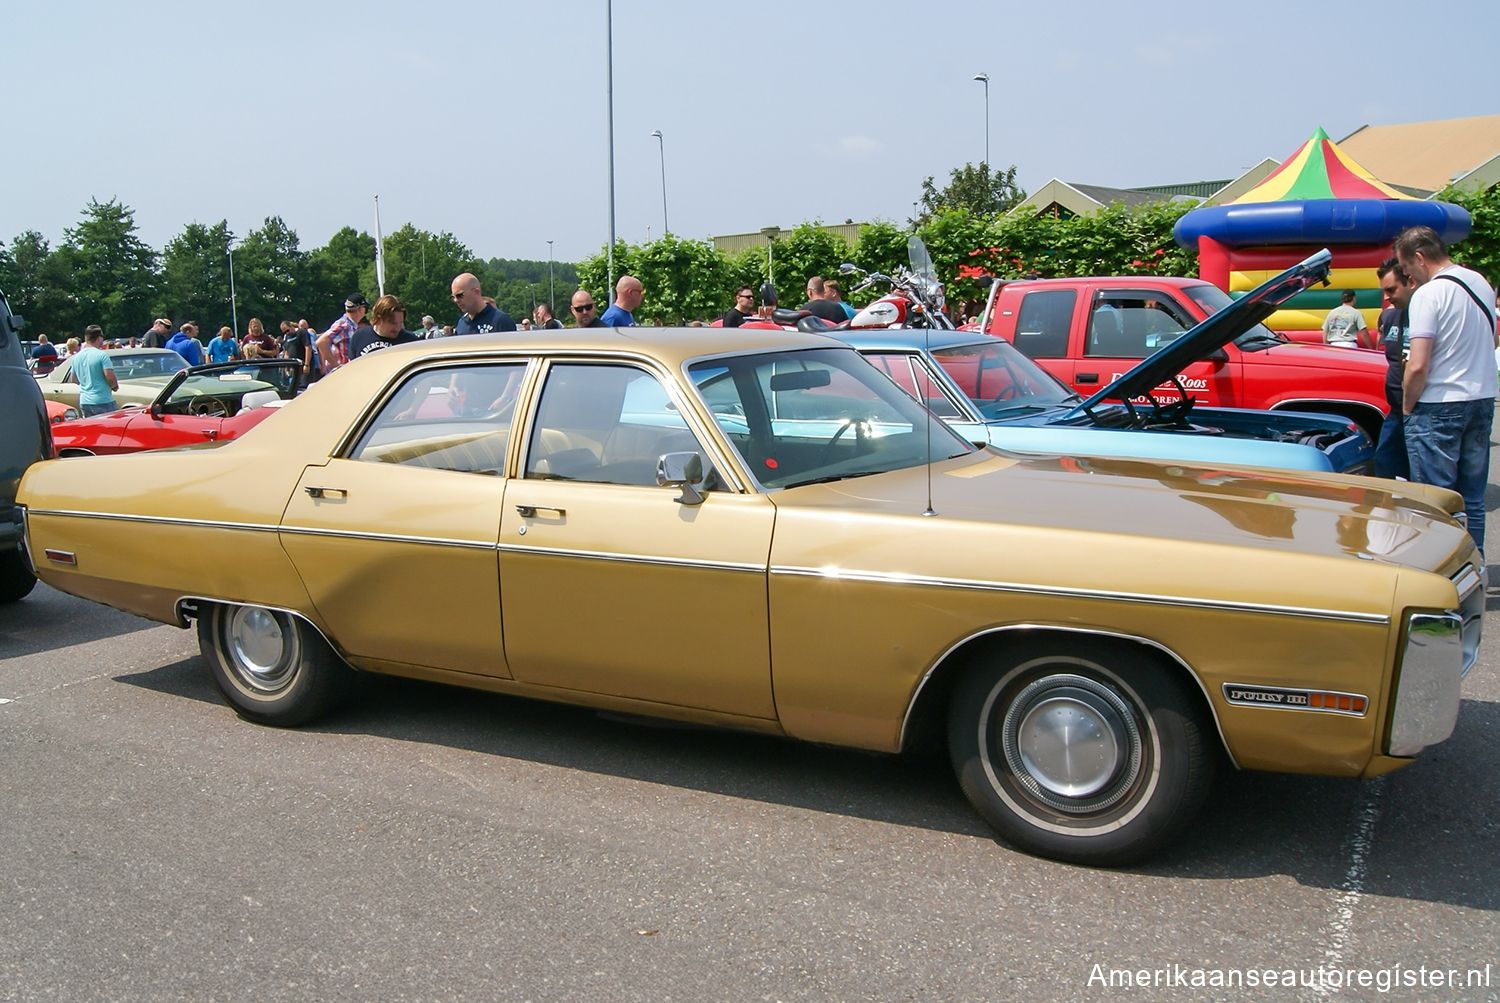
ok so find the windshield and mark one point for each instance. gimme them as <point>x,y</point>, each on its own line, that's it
<point>819,415</point>
<point>222,390</point>
<point>999,379</point>
<point>1213,299</point>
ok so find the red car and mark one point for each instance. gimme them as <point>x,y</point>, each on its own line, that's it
<point>212,403</point>
<point>1089,331</point>
<point>59,411</point>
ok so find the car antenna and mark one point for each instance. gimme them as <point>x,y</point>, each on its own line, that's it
<point>927,354</point>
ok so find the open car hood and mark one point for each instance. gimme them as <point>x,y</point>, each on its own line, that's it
<point>1214,333</point>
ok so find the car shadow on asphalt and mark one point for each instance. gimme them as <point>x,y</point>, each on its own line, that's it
<point>31,625</point>
<point>1432,837</point>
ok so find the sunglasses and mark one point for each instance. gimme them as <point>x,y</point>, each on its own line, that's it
<point>583,308</point>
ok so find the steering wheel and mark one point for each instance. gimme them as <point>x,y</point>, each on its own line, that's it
<point>208,407</point>
<point>827,454</point>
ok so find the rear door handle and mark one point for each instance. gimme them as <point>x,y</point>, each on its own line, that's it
<point>530,511</point>
<point>1088,377</point>
<point>327,492</point>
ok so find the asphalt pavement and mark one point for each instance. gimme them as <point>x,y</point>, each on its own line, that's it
<point>437,844</point>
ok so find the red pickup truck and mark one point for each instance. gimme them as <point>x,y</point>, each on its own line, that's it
<point>1089,331</point>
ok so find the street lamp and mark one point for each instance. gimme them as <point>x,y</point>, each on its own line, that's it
<point>771,233</point>
<point>661,145</point>
<point>234,315</point>
<point>551,289</point>
<point>609,73</point>
<point>984,78</point>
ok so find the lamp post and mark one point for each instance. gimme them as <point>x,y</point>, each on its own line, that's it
<point>984,78</point>
<point>234,315</point>
<point>551,289</point>
<point>609,63</point>
<point>771,233</point>
<point>661,146</point>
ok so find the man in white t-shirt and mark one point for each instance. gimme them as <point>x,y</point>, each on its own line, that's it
<point>1448,390</point>
<point>1345,325</point>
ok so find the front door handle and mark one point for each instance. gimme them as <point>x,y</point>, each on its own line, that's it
<point>327,492</point>
<point>530,511</point>
<point>1088,377</point>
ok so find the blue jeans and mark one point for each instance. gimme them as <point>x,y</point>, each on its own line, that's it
<point>89,410</point>
<point>1390,447</point>
<point>1448,444</point>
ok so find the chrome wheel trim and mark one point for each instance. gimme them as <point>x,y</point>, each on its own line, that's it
<point>1029,807</point>
<point>261,648</point>
<point>1072,743</point>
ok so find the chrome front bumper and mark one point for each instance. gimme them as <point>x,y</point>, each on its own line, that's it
<point>1440,650</point>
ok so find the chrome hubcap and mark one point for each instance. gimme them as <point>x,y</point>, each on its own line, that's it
<point>1072,743</point>
<point>260,647</point>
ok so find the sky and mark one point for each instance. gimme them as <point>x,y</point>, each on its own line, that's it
<point>490,120</point>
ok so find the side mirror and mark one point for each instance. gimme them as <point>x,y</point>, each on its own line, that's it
<point>681,470</point>
<point>155,409</point>
<point>1218,356</point>
<point>848,268</point>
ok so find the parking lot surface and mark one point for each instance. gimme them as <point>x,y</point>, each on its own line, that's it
<point>432,843</point>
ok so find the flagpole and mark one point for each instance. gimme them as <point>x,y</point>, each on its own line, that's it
<point>379,250</point>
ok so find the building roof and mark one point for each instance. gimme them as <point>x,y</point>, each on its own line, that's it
<point>1084,200</point>
<point>1429,155</point>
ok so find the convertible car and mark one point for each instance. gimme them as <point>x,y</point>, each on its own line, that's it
<point>212,403</point>
<point>757,529</point>
<point>141,372</point>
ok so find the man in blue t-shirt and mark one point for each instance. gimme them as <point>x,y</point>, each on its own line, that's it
<point>43,356</point>
<point>628,295</point>
<point>480,316</point>
<point>95,375</point>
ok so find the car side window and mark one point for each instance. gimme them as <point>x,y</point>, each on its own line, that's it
<point>606,424</point>
<point>1044,321</point>
<point>1132,325</point>
<point>908,373</point>
<point>455,418</point>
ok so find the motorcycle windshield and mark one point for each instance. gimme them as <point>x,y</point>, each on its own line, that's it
<point>921,261</point>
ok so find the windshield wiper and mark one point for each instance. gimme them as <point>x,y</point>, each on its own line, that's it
<point>829,478</point>
<point>1022,408</point>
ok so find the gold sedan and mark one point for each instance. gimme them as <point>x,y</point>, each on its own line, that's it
<point>757,530</point>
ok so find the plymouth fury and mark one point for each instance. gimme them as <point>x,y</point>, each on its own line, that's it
<point>757,529</point>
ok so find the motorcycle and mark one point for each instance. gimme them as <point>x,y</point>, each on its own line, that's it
<point>915,299</point>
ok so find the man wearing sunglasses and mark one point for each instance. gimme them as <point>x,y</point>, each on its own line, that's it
<point>479,316</point>
<point>585,312</point>
<point>744,307</point>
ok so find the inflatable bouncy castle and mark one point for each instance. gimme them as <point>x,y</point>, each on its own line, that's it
<point>1317,198</point>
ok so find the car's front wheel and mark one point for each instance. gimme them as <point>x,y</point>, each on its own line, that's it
<point>16,579</point>
<point>272,667</point>
<point>1080,750</point>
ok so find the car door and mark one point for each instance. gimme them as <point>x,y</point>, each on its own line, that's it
<point>1126,325</point>
<point>609,583</point>
<point>1042,330</point>
<point>395,538</point>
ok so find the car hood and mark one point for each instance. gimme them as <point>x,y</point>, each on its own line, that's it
<point>1158,505</point>
<point>1214,333</point>
<point>1319,356</point>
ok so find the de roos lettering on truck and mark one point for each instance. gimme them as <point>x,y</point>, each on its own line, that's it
<point>757,529</point>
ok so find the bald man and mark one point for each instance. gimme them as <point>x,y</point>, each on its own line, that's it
<point>628,295</point>
<point>478,317</point>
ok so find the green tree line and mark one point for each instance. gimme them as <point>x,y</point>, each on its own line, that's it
<point>103,273</point>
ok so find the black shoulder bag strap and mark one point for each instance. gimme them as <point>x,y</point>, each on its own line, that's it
<point>1483,310</point>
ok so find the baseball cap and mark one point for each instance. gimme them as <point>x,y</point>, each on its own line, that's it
<point>355,300</point>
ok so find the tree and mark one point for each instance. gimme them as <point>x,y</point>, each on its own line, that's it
<point>195,276</point>
<point>39,284</point>
<point>690,280</point>
<point>333,274</point>
<point>972,187</point>
<point>419,268</point>
<point>114,272</point>
<point>269,270</point>
<point>806,251</point>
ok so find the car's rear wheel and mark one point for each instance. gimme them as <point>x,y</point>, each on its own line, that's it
<point>16,579</point>
<point>271,666</point>
<point>1080,751</point>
